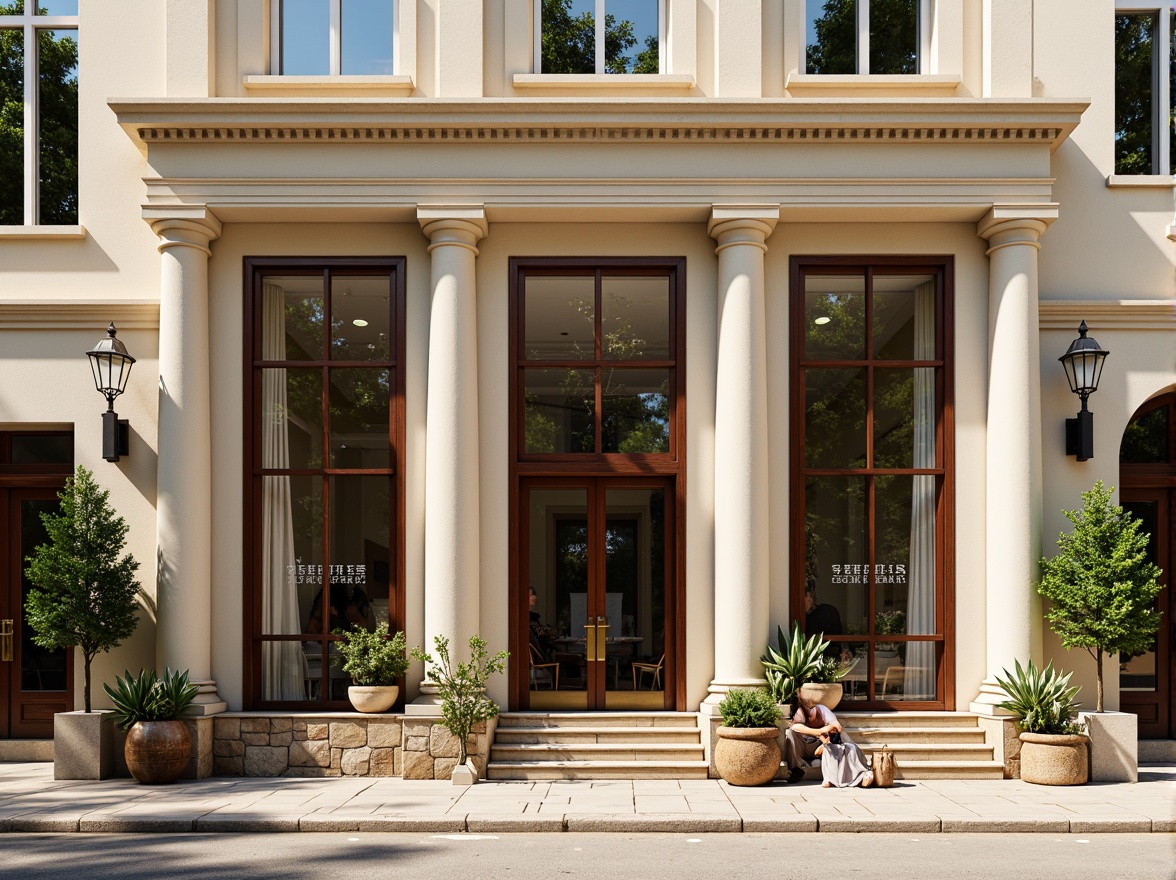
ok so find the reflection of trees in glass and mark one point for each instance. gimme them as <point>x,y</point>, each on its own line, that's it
<point>1146,438</point>
<point>1134,45</point>
<point>569,43</point>
<point>571,567</point>
<point>58,125</point>
<point>893,38</point>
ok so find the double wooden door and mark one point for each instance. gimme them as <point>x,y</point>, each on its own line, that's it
<point>34,682</point>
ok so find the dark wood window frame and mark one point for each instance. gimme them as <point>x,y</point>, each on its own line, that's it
<point>598,464</point>
<point>255,268</point>
<point>943,268</point>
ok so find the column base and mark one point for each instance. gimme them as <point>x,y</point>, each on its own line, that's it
<point>718,689</point>
<point>991,693</point>
<point>428,704</point>
<point>207,702</point>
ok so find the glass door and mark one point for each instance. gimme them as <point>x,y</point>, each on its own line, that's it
<point>597,560</point>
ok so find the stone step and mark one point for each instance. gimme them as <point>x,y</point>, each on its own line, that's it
<point>663,752</point>
<point>933,751</point>
<point>597,719</point>
<point>875,735</point>
<point>853,719</point>
<point>597,770</point>
<point>26,750</point>
<point>590,734</point>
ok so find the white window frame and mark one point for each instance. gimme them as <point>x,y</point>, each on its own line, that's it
<point>599,20</point>
<point>923,20</point>
<point>335,32</point>
<point>30,23</point>
<point>1161,84</point>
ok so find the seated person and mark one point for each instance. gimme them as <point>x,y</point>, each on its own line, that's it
<point>349,608</point>
<point>822,618</point>
<point>542,635</point>
<point>815,732</point>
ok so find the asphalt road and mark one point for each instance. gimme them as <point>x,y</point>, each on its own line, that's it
<point>645,856</point>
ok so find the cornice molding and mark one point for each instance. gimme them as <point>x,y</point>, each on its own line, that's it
<point>88,315</point>
<point>579,120</point>
<point>1111,314</point>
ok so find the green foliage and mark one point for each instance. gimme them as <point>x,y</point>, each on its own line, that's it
<point>1102,586</point>
<point>828,671</point>
<point>746,707</point>
<point>798,660</point>
<point>1041,700</point>
<point>1135,43</point>
<point>463,690</point>
<point>148,698</point>
<point>371,658</point>
<point>57,60</point>
<point>84,590</point>
<point>569,43</point>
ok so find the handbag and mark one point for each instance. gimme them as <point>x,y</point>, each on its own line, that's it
<point>884,766</point>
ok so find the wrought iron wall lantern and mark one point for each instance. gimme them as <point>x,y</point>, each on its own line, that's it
<point>1083,362</point>
<point>111,364</point>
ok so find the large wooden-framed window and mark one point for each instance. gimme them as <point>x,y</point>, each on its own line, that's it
<point>324,417</point>
<point>598,408</point>
<point>872,471</point>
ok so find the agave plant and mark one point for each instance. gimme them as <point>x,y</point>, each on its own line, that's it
<point>150,698</point>
<point>1041,700</point>
<point>798,660</point>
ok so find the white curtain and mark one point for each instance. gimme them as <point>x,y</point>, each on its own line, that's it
<point>919,683</point>
<point>283,663</point>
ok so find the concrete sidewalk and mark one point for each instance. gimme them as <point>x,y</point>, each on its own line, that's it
<point>32,801</point>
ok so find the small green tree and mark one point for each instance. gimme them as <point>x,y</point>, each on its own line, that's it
<point>1102,585</point>
<point>84,590</point>
<point>463,690</point>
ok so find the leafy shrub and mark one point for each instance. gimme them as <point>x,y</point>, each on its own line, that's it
<point>463,690</point>
<point>1041,700</point>
<point>150,698</point>
<point>828,671</point>
<point>371,658</point>
<point>746,707</point>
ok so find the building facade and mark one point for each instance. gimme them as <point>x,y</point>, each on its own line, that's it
<point>618,333</point>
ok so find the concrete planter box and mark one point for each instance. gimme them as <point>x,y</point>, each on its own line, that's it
<point>83,745</point>
<point>1114,745</point>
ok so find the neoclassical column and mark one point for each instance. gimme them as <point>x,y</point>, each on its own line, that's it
<point>741,447</point>
<point>184,488</point>
<point>452,558</point>
<point>1013,503</point>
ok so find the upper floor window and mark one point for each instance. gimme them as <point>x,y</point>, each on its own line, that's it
<point>334,37</point>
<point>1145,63</point>
<point>866,36</point>
<point>599,36</point>
<point>38,112</point>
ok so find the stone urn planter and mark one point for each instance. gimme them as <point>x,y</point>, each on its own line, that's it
<point>747,755</point>
<point>157,752</point>
<point>827,694</point>
<point>1054,759</point>
<point>372,699</point>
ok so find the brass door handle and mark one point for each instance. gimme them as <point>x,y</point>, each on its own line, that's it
<point>590,642</point>
<point>6,641</point>
<point>601,638</point>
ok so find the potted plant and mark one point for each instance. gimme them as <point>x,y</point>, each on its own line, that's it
<point>801,666</point>
<point>463,695</point>
<point>747,752</point>
<point>158,746</point>
<point>1053,745</point>
<point>1102,588</point>
<point>375,663</point>
<point>83,594</point>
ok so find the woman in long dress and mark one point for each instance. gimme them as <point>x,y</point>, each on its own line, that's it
<point>842,763</point>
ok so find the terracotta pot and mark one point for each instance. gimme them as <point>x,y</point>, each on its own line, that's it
<point>373,698</point>
<point>157,752</point>
<point>828,695</point>
<point>747,755</point>
<point>1049,759</point>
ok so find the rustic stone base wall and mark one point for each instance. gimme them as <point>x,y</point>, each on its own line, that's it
<point>254,744</point>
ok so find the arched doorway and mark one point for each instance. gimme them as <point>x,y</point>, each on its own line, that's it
<point>1147,488</point>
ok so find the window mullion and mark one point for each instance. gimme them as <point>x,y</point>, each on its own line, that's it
<point>863,36</point>
<point>336,31</point>
<point>32,129</point>
<point>1161,88</point>
<point>599,34</point>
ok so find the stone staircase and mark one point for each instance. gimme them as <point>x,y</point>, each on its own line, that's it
<point>600,745</point>
<point>926,745</point>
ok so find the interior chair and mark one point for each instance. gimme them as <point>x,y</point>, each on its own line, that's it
<point>543,672</point>
<point>654,670</point>
<point>894,680</point>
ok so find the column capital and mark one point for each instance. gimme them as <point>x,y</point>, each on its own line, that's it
<point>460,225</point>
<point>1005,225</point>
<point>193,226</point>
<point>742,224</point>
